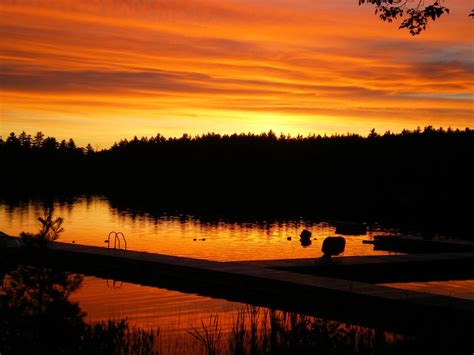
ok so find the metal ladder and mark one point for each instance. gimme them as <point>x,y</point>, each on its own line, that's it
<point>118,237</point>
<point>114,284</point>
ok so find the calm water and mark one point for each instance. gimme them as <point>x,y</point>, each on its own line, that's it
<point>177,312</point>
<point>148,307</point>
<point>174,313</point>
<point>89,221</point>
<point>177,315</point>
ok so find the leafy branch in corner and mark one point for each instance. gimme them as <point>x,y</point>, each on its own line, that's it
<point>415,18</point>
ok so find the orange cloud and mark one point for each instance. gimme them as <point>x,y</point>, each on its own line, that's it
<point>299,66</point>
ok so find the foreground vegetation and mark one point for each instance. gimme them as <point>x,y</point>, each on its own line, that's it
<point>418,178</point>
<point>37,317</point>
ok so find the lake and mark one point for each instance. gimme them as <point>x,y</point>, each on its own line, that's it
<point>182,323</point>
<point>180,316</point>
<point>89,220</point>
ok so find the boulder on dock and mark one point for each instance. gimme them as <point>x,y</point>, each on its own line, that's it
<point>333,246</point>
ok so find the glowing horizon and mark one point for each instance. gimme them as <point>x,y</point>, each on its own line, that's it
<point>100,71</point>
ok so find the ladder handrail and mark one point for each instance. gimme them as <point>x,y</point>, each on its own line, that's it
<point>117,240</point>
<point>108,239</point>
<point>114,284</point>
<point>124,240</point>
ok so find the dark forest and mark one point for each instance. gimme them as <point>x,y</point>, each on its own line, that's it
<point>419,179</point>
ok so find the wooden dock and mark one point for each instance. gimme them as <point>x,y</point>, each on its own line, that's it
<point>411,244</point>
<point>383,268</point>
<point>298,285</point>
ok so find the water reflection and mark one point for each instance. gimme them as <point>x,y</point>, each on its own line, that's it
<point>305,242</point>
<point>90,219</point>
<point>265,331</point>
<point>38,317</point>
<point>42,313</point>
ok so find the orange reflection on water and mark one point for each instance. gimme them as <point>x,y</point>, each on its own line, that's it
<point>149,307</point>
<point>178,316</point>
<point>90,220</point>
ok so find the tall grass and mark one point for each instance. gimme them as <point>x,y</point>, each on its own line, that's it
<point>265,331</point>
<point>210,336</point>
<point>117,337</point>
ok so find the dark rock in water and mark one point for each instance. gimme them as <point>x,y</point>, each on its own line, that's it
<point>305,242</point>
<point>351,228</point>
<point>333,246</point>
<point>305,234</point>
<point>305,238</point>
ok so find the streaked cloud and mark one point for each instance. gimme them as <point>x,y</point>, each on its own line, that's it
<point>300,66</point>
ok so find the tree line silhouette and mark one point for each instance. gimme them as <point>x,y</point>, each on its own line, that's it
<point>417,178</point>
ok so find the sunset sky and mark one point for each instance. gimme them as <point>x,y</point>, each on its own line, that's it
<point>102,70</point>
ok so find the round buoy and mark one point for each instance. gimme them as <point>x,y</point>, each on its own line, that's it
<point>333,246</point>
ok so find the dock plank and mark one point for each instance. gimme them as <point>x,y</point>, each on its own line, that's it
<point>267,283</point>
